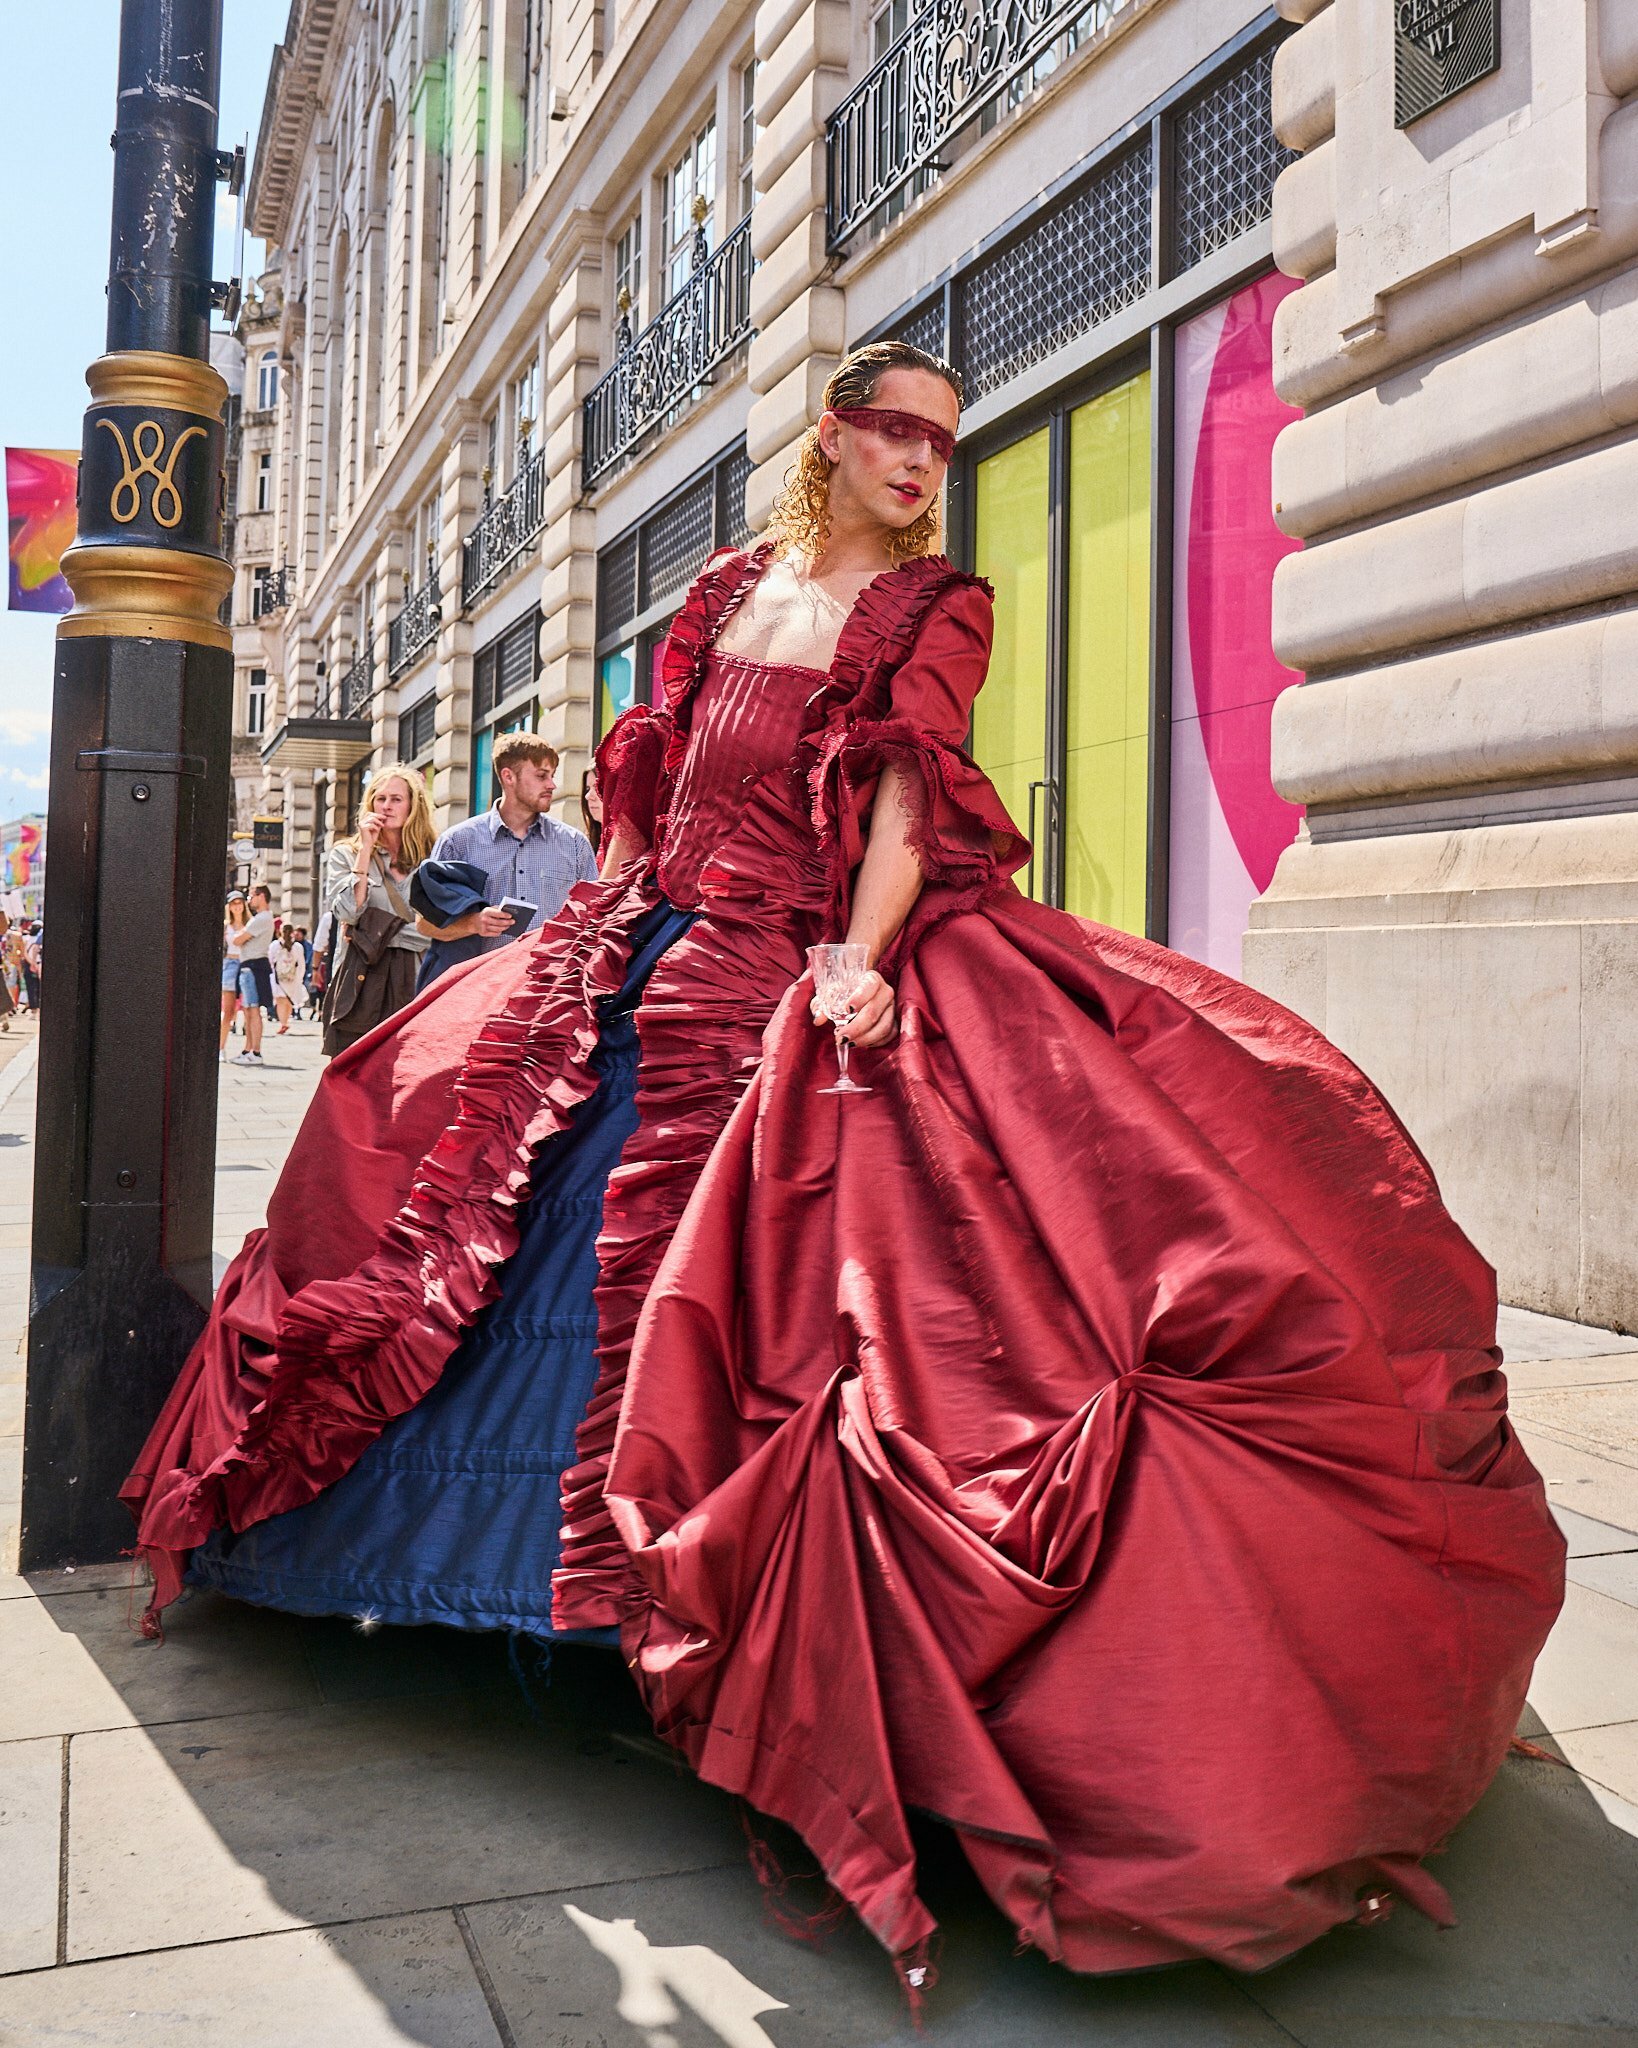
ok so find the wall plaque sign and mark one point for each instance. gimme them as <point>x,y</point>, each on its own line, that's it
<point>1440,47</point>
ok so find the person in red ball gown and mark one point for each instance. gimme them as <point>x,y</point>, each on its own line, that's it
<point>1092,1436</point>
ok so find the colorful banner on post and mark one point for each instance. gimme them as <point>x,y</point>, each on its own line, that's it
<point>40,518</point>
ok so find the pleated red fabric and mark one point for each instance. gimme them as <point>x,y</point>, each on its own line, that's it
<point>1093,1437</point>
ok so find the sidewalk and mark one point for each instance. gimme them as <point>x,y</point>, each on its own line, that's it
<point>279,1833</point>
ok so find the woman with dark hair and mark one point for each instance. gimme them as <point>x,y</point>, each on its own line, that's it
<point>1080,1422</point>
<point>591,808</point>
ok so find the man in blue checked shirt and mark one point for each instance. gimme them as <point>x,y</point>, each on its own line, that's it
<point>521,852</point>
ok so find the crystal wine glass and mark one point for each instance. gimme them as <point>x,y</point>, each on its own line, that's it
<point>837,972</point>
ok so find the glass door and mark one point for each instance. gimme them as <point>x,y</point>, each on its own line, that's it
<point>1012,548</point>
<point>1106,779</point>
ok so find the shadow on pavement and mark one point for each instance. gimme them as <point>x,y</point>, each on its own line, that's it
<point>435,1812</point>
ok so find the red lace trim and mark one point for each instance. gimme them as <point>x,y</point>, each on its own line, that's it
<point>352,1354</point>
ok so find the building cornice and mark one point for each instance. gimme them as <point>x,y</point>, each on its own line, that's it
<point>288,112</point>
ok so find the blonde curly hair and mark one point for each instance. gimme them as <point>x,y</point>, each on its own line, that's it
<point>801,513</point>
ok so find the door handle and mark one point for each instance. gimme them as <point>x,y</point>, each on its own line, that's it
<point>1041,782</point>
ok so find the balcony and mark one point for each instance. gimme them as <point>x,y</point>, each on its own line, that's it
<point>271,591</point>
<point>416,626</point>
<point>958,62</point>
<point>339,734</point>
<point>506,526</point>
<point>695,330</point>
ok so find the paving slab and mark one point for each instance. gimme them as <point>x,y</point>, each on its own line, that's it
<point>1587,1538</point>
<point>1523,1334</point>
<point>53,1684</point>
<point>382,1984</point>
<point>1545,1950</point>
<point>1602,1419</point>
<point>31,1802</point>
<point>1587,1674</point>
<point>1548,1375</point>
<point>1608,1755</point>
<point>1580,1479</point>
<point>218,1657</point>
<point>192,1832</point>
<point>1616,1576</point>
<point>693,1963</point>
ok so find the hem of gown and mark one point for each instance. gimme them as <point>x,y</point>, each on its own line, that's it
<point>295,1593</point>
<point>362,1350</point>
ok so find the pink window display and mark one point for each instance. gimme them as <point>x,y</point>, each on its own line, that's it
<point>1228,825</point>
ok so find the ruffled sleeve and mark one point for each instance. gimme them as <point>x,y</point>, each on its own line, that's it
<point>960,830</point>
<point>630,763</point>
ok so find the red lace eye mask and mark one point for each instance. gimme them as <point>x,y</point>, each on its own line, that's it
<point>899,426</point>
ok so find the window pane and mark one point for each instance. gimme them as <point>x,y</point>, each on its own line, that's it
<point>617,679</point>
<point>1106,800</point>
<point>1012,550</point>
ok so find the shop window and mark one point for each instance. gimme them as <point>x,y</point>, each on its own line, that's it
<point>677,540</point>
<point>1012,534</point>
<point>1106,776</point>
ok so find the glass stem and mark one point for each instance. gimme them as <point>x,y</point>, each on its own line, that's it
<point>843,1047</point>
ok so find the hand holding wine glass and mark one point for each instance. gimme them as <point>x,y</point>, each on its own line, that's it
<point>838,972</point>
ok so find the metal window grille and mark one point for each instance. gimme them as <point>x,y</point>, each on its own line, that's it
<point>483,681</point>
<point>677,541</point>
<point>925,329</point>
<point>416,728</point>
<point>617,583</point>
<point>515,660</point>
<point>417,624</point>
<point>506,527</point>
<point>1080,263</point>
<point>733,475</point>
<point>1227,158</point>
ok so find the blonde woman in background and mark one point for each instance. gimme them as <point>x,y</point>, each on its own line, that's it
<point>289,964</point>
<point>365,879</point>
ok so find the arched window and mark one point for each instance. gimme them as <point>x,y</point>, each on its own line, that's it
<point>267,381</point>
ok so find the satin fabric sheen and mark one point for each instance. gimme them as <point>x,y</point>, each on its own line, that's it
<point>1092,1437</point>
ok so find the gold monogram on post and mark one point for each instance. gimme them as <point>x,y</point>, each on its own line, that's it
<point>165,500</point>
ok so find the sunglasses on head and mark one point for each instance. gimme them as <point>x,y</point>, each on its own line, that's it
<point>899,426</point>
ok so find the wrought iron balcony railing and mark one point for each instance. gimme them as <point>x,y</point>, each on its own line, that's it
<point>417,623</point>
<point>694,331</point>
<point>506,526</point>
<point>955,59</point>
<point>271,592</point>
<point>347,695</point>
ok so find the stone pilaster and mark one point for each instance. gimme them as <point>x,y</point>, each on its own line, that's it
<point>568,582</point>
<point>798,316</point>
<point>460,503</point>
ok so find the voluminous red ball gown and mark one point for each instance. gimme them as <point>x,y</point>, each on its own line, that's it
<point>1093,1437</point>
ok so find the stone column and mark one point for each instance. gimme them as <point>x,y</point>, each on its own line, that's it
<point>460,503</point>
<point>798,316</point>
<point>1461,911</point>
<point>568,548</point>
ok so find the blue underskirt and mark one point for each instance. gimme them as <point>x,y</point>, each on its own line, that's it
<point>452,1514</point>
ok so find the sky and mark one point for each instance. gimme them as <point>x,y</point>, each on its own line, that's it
<point>56,175</point>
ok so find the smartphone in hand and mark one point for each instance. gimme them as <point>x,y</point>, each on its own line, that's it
<point>522,914</point>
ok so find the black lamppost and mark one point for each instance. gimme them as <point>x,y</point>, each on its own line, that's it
<point>141,711</point>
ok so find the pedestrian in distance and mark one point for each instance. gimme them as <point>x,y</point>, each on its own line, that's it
<point>364,882</point>
<point>591,808</point>
<point>237,917</point>
<point>250,947</point>
<point>289,964</point>
<point>33,963</point>
<point>505,872</point>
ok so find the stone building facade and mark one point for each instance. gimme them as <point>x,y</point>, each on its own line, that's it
<point>1460,912</point>
<point>558,289</point>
